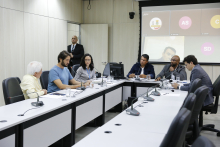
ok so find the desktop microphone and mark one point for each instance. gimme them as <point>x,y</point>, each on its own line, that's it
<point>147,96</point>
<point>38,103</point>
<point>133,111</point>
<point>138,78</point>
<point>101,75</point>
<point>79,88</point>
<point>155,93</point>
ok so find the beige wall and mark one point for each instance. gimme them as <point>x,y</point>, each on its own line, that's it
<point>123,32</point>
<point>33,30</point>
<point>123,41</point>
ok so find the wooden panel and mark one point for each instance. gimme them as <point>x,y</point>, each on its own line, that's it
<point>216,73</point>
<point>95,41</point>
<point>110,42</point>
<point>57,9</point>
<point>101,11</point>
<point>13,43</point>
<point>1,3</point>
<point>36,6</point>
<point>36,39</point>
<point>14,4</point>
<point>57,39</point>
<point>77,11</point>
<point>158,68</point>
<point>122,9</point>
<point>126,44</point>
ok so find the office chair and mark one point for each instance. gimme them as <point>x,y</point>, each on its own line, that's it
<point>213,108</point>
<point>74,69</point>
<point>196,84</point>
<point>176,133</point>
<point>202,141</point>
<point>12,90</point>
<point>193,129</point>
<point>44,79</point>
<point>189,102</point>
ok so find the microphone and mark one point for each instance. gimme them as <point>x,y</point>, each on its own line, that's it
<point>155,93</point>
<point>147,96</point>
<point>38,103</point>
<point>79,88</point>
<point>138,78</point>
<point>101,74</point>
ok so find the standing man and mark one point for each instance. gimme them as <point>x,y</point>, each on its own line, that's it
<point>76,52</point>
<point>196,72</point>
<point>173,69</point>
<point>143,68</point>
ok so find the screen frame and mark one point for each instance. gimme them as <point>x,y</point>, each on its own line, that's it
<point>167,3</point>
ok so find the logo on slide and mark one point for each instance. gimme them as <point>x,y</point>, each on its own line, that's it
<point>185,22</point>
<point>215,21</point>
<point>155,23</point>
<point>207,48</point>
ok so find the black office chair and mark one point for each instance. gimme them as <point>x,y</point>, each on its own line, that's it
<point>196,84</point>
<point>213,108</point>
<point>193,129</point>
<point>12,90</point>
<point>189,102</point>
<point>74,69</point>
<point>44,79</point>
<point>202,141</point>
<point>177,130</point>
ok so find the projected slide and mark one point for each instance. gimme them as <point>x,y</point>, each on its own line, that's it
<point>181,30</point>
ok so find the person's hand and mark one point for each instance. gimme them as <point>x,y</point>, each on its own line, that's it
<point>45,91</point>
<point>132,75</point>
<point>175,85</point>
<point>87,83</point>
<point>171,68</point>
<point>71,55</point>
<point>158,79</point>
<point>143,76</point>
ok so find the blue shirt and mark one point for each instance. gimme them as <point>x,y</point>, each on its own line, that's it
<point>148,69</point>
<point>58,73</point>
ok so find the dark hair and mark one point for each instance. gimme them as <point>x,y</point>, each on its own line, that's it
<point>63,55</point>
<point>169,48</point>
<point>190,58</point>
<point>145,56</point>
<point>82,63</point>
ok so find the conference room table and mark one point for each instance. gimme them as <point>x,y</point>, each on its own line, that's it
<point>59,117</point>
<point>147,129</point>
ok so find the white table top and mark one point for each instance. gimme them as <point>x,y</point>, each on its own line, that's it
<point>147,129</point>
<point>10,112</point>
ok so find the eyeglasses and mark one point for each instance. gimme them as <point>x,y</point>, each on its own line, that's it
<point>87,59</point>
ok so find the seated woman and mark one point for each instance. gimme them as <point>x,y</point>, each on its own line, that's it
<point>30,83</point>
<point>86,70</point>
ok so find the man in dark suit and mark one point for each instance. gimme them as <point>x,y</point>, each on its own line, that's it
<point>76,51</point>
<point>174,68</point>
<point>197,72</point>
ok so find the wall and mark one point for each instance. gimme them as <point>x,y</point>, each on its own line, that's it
<point>124,32</point>
<point>33,30</point>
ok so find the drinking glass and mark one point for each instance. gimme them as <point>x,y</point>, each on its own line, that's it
<point>148,77</point>
<point>68,92</point>
<point>177,79</point>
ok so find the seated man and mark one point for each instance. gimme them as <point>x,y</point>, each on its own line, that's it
<point>30,84</point>
<point>59,76</point>
<point>143,68</point>
<point>197,72</point>
<point>173,69</point>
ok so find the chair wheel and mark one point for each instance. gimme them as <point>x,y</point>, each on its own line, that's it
<point>218,134</point>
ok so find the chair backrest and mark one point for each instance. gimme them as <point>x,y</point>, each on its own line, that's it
<point>12,90</point>
<point>201,94</point>
<point>74,69</point>
<point>189,102</point>
<point>202,141</point>
<point>196,84</point>
<point>177,130</point>
<point>216,92</point>
<point>44,79</point>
